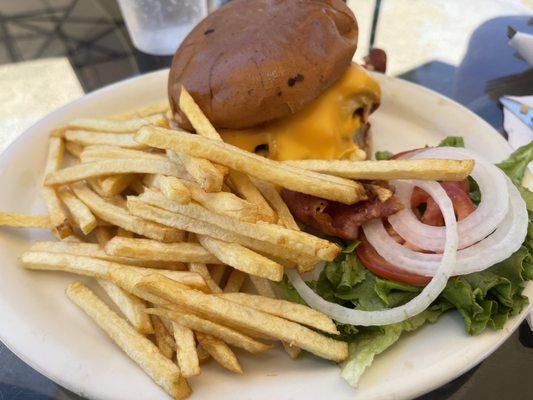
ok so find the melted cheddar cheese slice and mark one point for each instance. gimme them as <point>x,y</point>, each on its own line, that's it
<point>322,130</point>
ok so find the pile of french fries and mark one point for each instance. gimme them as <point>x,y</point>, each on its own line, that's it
<point>173,226</point>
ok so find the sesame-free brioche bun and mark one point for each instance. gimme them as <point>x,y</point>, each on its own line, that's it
<point>253,61</point>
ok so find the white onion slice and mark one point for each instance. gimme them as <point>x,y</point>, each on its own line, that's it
<point>498,246</point>
<point>484,220</point>
<point>415,306</point>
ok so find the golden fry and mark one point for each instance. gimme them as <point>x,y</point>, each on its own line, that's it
<point>243,259</point>
<point>16,220</point>
<point>96,251</point>
<point>245,317</point>
<point>203,271</point>
<point>163,338</point>
<point>133,308</point>
<point>88,138</point>
<point>120,217</point>
<point>163,371</point>
<point>204,172</point>
<point>57,214</point>
<point>172,188</point>
<point>235,281</point>
<point>285,309</point>
<point>430,169</point>
<point>223,203</point>
<point>112,167</point>
<point>228,335</point>
<point>141,209</point>
<point>129,125</point>
<point>275,234</point>
<point>297,179</point>
<point>220,351</point>
<point>42,260</point>
<point>186,354</point>
<point>103,152</point>
<point>83,217</point>
<point>145,249</point>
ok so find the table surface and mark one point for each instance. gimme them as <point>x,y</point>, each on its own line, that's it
<point>91,34</point>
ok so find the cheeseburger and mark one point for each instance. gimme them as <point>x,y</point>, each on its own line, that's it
<point>276,77</point>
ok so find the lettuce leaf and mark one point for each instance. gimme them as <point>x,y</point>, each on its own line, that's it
<point>383,155</point>
<point>452,141</point>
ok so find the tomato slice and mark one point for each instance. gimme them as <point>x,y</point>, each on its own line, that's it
<point>380,267</point>
<point>463,207</point>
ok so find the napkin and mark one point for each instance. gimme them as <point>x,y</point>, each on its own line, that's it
<point>30,90</point>
<point>523,44</point>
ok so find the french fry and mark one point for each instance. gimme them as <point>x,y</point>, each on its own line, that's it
<point>75,149</point>
<point>58,216</point>
<point>383,194</point>
<point>243,259</point>
<point>203,355</point>
<point>131,307</point>
<point>83,217</point>
<point>223,203</point>
<point>129,125</point>
<point>160,107</point>
<point>123,233</point>
<point>172,188</point>
<point>103,152</point>
<point>120,217</point>
<point>297,179</point>
<point>16,220</point>
<point>285,217</point>
<point>275,234</point>
<point>96,250</point>
<point>203,171</point>
<point>202,270</point>
<point>186,354</point>
<point>430,169</point>
<point>112,167</point>
<point>285,309</point>
<point>88,138</point>
<point>141,209</point>
<point>103,235</point>
<point>217,272</point>
<point>264,288</point>
<point>228,335</point>
<point>270,193</point>
<point>244,187</point>
<point>220,351</point>
<point>163,338</point>
<point>47,261</point>
<point>115,184</point>
<point>241,182</point>
<point>163,371</point>
<point>144,249</point>
<point>241,316</point>
<point>235,281</point>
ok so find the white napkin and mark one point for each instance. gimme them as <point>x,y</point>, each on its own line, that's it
<point>32,89</point>
<point>519,133</point>
<point>523,44</point>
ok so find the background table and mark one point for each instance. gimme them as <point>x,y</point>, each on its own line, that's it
<point>454,47</point>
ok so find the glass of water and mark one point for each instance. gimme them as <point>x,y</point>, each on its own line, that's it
<point>159,26</point>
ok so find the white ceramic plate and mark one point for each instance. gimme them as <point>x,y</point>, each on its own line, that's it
<point>44,329</point>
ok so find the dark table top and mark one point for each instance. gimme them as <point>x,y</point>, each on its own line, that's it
<point>92,35</point>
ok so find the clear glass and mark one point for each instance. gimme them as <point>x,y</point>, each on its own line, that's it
<point>159,26</point>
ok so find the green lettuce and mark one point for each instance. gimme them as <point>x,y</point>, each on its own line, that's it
<point>452,141</point>
<point>383,155</point>
<point>484,299</point>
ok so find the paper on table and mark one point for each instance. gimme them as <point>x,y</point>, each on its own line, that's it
<point>32,89</point>
<point>523,43</point>
<point>519,133</point>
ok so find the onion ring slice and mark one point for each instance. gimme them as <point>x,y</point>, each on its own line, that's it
<point>415,306</point>
<point>498,246</point>
<point>484,220</point>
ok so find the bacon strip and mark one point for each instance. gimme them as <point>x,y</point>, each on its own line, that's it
<point>334,218</point>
